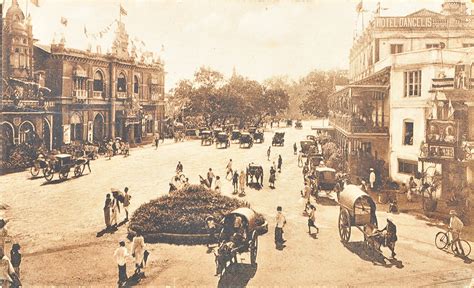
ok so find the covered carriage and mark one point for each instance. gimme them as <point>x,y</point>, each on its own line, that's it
<point>308,148</point>
<point>289,123</point>
<point>326,178</point>
<point>62,164</point>
<point>299,124</point>
<point>258,136</point>
<point>235,136</point>
<point>239,234</point>
<point>222,140</point>
<point>246,140</point>
<point>206,138</point>
<point>254,174</point>
<point>357,209</point>
<point>278,139</point>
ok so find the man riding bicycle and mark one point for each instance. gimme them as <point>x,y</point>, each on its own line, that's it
<point>454,229</point>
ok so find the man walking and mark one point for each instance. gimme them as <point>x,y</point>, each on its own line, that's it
<point>235,182</point>
<point>210,176</point>
<point>217,186</point>
<point>280,223</point>
<point>295,148</point>
<point>126,202</point>
<point>280,161</point>
<point>312,219</point>
<point>179,167</point>
<point>242,180</point>
<point>120,257</point>
<point>372,179</point>
<point>229,169</point>
<point>269,152</point>
<point>157,140</point>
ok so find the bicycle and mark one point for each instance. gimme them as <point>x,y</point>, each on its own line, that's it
<point>442,242</point>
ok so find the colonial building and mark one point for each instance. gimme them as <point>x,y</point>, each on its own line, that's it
<point>416,74</point>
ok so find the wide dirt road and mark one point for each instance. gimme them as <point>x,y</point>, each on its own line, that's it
<point>56,225</point>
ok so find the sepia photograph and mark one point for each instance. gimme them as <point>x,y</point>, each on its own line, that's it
<point>237,143</point>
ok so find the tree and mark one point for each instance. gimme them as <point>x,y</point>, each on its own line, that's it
<point>208,79</point>
<point>320,85</point>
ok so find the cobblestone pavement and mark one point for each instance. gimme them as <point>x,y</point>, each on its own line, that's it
<point>57,223</point>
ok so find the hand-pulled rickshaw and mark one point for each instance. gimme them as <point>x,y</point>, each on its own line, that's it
<point>246,140</point>
<point>222,140</point>
<point>299,124</point>
<point>206,138</point>
<point>238,235</point>
<point>357,209</point>
<point>235,136</point>
<point>62,164</point>
<point>254,171</point>
<point>278,139</point>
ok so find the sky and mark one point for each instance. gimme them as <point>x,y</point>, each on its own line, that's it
<point>259,38</point>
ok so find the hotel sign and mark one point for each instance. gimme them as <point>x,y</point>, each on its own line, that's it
<point>465,22</point>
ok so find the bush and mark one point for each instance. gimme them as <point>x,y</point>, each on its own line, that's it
<point>18,157</point>
<point>184,211</point>
<point>333,156</point>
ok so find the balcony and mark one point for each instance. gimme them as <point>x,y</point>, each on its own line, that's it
<point>80,94</point>
<point>97,94</point>
<point>352,125</point>
<point>121,95</point>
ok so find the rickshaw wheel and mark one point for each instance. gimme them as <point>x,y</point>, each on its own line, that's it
<point>63,175</point>
<point>254,249</point>
<point>77,171</point>
<point>34,171</point>
<point>344,226</point>
<point>48,175</point>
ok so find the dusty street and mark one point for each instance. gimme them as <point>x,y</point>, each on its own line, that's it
<point>57,223</point>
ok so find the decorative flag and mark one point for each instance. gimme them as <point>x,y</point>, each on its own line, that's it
<point>123,11</point>
<point>64,21</point>
<point>359,7</point>
<point>35,2</point>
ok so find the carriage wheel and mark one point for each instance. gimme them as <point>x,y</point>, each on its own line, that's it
<point>48,174</point>
<point>254,250</point>
<point>78,171</point>
<point>63,175</point>
<point>344,226</point>
<point>34,170</point>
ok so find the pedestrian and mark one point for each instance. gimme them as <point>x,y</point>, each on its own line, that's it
<point>138,251</point>
<point>306,197</point>
<point>217,185</point>
<point>157,140</point>
<point>269,151</point>
<point>107,207</point>
<point>411,189</point>
<point>179,167</point>
<point>242,181</point>
<point>120,257</point>
<point>280,162</point>
<point>280,223</point>
<point>210,176</point>
<point>115,209</point>
<point>235,182</point>
<point>295,148</point>
<point>212,230</point>
<point>15,257</point>
<point>229,169</point>
<point>372,179</point>
<point>272,178</point>
<point>6,270</point>
<point>312,219</point>
<point>126,202</point>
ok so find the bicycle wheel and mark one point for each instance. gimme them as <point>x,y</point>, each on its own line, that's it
<point>461,248</point>
<point>441,240</point>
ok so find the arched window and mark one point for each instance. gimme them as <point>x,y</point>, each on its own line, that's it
<point>98,81</point>
<point>121,83</point>
<point>76,127</point>
<point>136,84</point>
<point>7,134</point>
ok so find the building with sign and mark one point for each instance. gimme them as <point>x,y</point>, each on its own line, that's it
<point>410,75</point>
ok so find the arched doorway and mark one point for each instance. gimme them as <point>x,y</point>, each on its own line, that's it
<point>46,134</point>
<point>98,128</point>
<point>76,127</point>
<point>27,133</point>
<point>7,138</point>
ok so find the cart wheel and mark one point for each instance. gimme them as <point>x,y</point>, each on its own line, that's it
<point>78,171</point>
<point>254,250</point>
<point>63,175</point>
<point>34,170</point>
<point>48,174</point>
<point>344,225</point>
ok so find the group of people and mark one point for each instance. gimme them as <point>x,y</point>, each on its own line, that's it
<point>9,266</point>
<point>116,147</point>
<point>138,254</point>
<point>112,207</point>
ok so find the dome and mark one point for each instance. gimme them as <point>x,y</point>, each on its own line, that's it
<point>18,27</point>
<point>15,12</point>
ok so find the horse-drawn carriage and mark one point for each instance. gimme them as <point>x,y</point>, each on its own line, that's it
<point>222,140</point>
<point>254,175</point>
<point>299,124</point>
<point>235,136</point>
<point>289,123</point>
<point>39,164</point>
<point>238,235</point>
<point>326,179</point>
<point>278,139</point>
<point>62,164</point>
<point>308,148</point>
<point>246,140</point>
<point>206,138</point>
<point>258,136</point>
<point>216,132</point>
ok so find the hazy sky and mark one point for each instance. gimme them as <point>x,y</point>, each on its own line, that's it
<point>260,38</point>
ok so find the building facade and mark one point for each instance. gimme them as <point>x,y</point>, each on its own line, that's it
<point>426,61</point>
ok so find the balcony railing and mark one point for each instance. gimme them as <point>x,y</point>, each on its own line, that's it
<point>97,94</point>
<point>80,94</point>
<point>122,95</point>
<point>354,125</point>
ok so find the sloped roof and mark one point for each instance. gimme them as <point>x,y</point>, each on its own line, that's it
<point>423,12</point>
<point>45,48</point>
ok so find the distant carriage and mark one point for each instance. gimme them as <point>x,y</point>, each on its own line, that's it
<point>289,123</point>
<point>216,132</point>
<point>258,136</point>
<point>326,179</point>
<point>299,124</point>
<point>222,140</point>
<point>246,140</point>
<point>206,138</point>
<point>62,164</point>
<point>39,164</point>
<point>308,148</point>
<point>239,234</point>
<point>254,174</point>
<point>278,139</point>
<point>235,136</point>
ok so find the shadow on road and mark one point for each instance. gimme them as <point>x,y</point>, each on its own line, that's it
<point>377,258</point>
<point>237,275</point>
<point>56,181</point>
<point>111,229</point>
